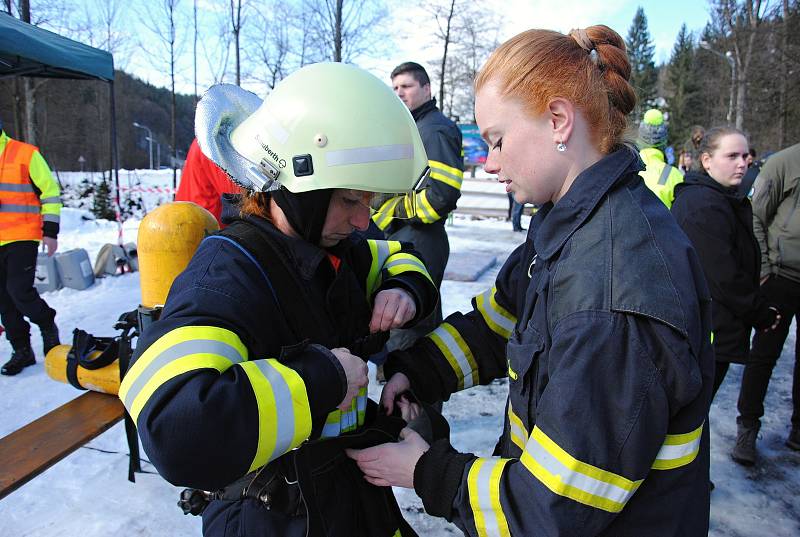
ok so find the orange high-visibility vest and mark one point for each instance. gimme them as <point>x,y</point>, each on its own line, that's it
<point>20,208</point>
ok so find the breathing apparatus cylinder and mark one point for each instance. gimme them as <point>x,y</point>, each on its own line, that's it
<point>104,380</point>
<point>168,238</point>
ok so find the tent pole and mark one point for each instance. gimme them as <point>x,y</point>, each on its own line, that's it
<point>115,156</point>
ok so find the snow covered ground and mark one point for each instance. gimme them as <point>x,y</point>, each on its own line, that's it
<point>87,493</point>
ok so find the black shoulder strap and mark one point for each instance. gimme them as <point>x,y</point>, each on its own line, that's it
<point>83,344</point>
<point>285,287</point>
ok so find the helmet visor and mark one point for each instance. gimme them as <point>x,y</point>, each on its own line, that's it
<point>401,205</point>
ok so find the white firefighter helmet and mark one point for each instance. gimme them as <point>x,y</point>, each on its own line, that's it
<point>328,125</point>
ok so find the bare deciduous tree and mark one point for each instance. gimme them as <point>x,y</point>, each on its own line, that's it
<point>237,20</point>
<point>742,21</point>
<point>271,45</point>
<point>466,35</point>
<point>347,29</point>
<point>163,23</point>
<point>216,52</point>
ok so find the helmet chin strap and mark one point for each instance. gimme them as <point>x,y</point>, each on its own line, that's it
<point>305,211</point>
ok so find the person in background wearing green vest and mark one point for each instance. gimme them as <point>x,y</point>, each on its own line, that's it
<point>659,176</point>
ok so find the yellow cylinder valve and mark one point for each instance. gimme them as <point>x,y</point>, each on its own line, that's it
<point>168,238</point>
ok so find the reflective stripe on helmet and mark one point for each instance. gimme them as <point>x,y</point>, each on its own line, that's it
<point>365,155</point>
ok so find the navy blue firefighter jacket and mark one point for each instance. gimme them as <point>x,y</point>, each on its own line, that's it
<point>221,384</point>
<point>602,322</point>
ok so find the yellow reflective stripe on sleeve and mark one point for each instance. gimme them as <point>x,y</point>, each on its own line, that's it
<point>179,351</point>
<point>339,422</point>
<point>380,252</point>
<point>446,174</point>
<point>516,428</point>
<point>483,482</point>
<point>457,353</point>
<point>405,262</point>
<point>361,406</point>
<point>678,450</point>
<point>494,315</point>
<point>566,476</point>
<point>284,416</point>
<point>424,209</point>
<point>384,216</point>
<point>332,427</point>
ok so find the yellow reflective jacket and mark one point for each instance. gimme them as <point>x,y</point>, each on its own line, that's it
<point>659,176</point>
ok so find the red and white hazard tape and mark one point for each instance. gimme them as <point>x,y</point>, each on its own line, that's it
<point>148,189</point>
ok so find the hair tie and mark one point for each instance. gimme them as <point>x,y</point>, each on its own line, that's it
<point>582,38</point>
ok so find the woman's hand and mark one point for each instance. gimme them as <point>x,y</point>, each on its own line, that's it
<point>392,308</point>
<point>398,384</point>
<point>355,369</point>
<point>409,411</point>
<point>391,464</point>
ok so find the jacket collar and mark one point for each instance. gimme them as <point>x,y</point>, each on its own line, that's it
<point>4,138</point>
<point>304,256</point>
<point>558,222</point>
<point>424,109</point>
<point>703,179</point>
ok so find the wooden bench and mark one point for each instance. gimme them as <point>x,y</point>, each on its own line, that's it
<point>29,451</point>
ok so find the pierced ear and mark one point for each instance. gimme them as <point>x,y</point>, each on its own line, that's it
<point>704,158</point>
<point>562,119</point>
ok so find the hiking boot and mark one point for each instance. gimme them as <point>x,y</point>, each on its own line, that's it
<point>745,450</point>
<point>49,336</point>
<point>20,359</point>
<point>793,442</point>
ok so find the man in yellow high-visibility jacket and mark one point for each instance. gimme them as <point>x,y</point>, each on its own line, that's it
<point>30,208</point>
<point>659,176</point>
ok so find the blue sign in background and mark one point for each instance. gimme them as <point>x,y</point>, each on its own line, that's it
<point>475,149</point>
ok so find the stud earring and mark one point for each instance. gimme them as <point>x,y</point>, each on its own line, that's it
<point>561,147</point>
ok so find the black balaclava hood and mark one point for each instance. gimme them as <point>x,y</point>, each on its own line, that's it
<point>305,211</point>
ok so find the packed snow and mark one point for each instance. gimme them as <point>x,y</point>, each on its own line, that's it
<point>87,494</point>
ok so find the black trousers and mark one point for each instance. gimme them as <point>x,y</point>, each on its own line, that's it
<point>18,296</point>
<point>766,350</point>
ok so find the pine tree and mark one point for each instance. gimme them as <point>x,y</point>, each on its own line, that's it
<point>103,206</point>
<point>644,76</point>
<point>683,98</point>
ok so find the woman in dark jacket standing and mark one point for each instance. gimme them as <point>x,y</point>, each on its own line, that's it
<point>719,222</point>
<point>601,326</point>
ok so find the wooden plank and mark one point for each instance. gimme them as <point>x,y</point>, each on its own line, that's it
<point>29,451</point>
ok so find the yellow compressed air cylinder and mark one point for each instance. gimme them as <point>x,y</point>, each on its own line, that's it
<point>168,238</point>
<point>104,380</point>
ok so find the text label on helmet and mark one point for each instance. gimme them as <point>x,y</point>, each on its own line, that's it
<point>273,154</point>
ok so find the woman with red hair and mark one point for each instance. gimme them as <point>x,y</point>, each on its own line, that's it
<point>601,321</point>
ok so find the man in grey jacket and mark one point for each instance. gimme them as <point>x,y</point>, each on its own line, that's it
<point>776,222</point>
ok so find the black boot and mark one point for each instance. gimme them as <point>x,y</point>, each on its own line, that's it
<point>744,452</point>
<point>20,359</point>
<point>49,336</point>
